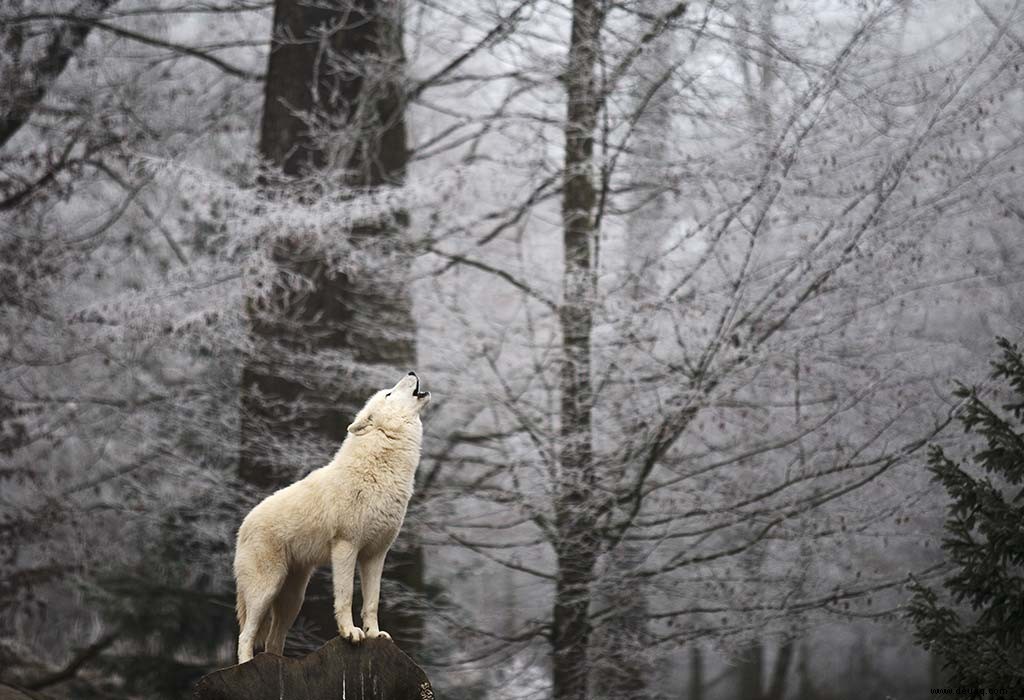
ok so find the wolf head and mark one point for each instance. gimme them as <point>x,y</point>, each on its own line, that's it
<point>393,410</point>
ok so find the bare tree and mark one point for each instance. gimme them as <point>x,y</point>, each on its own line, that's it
<point>662,422</point>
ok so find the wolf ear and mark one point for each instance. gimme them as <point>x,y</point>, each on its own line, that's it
<point>361,425</point>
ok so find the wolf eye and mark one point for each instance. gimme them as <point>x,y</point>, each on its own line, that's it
<point>387,394</point>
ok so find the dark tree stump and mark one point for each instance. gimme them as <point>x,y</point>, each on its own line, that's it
<point>374,669</point>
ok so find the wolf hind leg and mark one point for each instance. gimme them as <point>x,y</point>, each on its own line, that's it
<point>256,594</point>
<point>286,608</point>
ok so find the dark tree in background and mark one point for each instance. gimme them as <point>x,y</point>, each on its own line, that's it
<point>329,331</point>
<point>984,543</point>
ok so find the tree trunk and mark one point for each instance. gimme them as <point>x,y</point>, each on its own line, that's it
<point>803,670</point>
<point>780,670</point>
<point>937,676</point>
<point>696,674</point>
<point>575,513</point>
<point>619,666</point>
<point>334,115</point>
<point>750,669</point>
<point>654,215</point>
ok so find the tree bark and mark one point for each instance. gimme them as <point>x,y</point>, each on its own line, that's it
<point>333,117</point>
<point>577,546</point>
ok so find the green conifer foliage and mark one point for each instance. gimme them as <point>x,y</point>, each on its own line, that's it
<point>977,626</point>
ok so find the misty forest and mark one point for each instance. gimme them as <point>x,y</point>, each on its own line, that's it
<point>718,301</point>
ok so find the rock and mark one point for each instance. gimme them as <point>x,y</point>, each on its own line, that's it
<point>10,693</point>
<point>374,669</point>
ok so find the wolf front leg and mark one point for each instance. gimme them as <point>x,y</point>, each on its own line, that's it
<point>370,569</point>
<point>343,564</point>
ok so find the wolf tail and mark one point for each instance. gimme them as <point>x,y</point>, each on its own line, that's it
<point>242,613</point>
<point>240,609</point>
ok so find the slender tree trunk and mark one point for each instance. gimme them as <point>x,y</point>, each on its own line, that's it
<point>780,671</point>
<point>938,677</point>
<point>696,674</point>
<point>654,216</point>
<point>803,671</point>
<point>577,548</point>
<point>750,671</point>
<point>619,666</point>
<point>333,115</point>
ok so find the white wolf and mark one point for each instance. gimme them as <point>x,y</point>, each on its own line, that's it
<point>346,512</point>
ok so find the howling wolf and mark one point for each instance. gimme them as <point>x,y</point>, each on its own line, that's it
<point>346,512</point>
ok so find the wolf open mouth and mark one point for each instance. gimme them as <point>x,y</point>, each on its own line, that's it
<point>416,392</point>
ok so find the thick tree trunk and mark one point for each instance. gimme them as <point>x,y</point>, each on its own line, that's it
<point>575,508</point>
<point>334,115</point>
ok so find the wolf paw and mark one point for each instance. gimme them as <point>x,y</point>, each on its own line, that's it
<point>373,634</point>
<point>353,634</point>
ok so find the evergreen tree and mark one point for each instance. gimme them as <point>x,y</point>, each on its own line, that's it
<point>984,544</point>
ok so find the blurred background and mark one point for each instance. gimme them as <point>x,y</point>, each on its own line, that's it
<point>689,282</point>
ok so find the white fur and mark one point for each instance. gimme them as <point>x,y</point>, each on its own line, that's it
<point>344,513</point>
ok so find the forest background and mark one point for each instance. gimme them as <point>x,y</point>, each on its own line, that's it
<point>689,283</point>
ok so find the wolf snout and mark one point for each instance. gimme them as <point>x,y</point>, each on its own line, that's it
<point>416,392</point>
